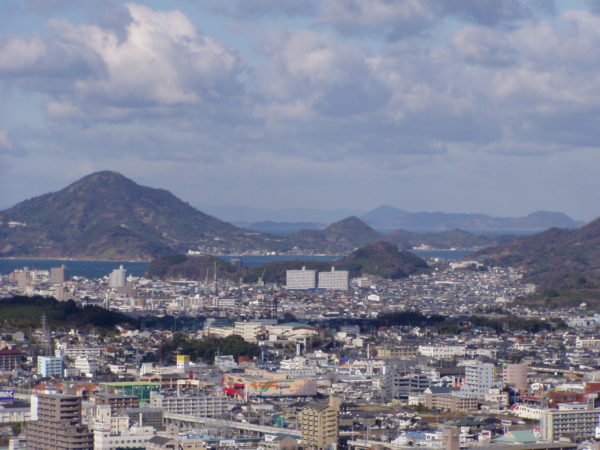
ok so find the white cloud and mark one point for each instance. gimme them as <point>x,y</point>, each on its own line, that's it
<point>163,62</point>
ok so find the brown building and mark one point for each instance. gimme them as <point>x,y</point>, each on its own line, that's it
<point>449,402</point>
<point>515,375</point>
<point>401,352</point>
<point>9,359</point>
<point>320,424</point>
<point>117,401</point>
<point>58,425</point>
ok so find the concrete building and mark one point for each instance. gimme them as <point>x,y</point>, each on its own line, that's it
<point>573,424</point>
<point>49,366</point>
<point>449,402</point>
<point>135,437</point>
<point>117,402</point>
<point>58,424</point>
<point>117,278</point>
<point>515,375</point>
<point>479,379</point>
<point>301,279</point>
<point>87,366</point>
<point>320,423</point>
<point>9,359</point>
<point>334,280</point>
<point>196,405</point>
<point>442,351</point>
<point>58,275</point>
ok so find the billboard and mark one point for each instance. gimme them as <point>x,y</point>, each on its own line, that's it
<point>7,394</point>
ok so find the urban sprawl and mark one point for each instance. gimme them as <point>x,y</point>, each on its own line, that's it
<point>451,359</point>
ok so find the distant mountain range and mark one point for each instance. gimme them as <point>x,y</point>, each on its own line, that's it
<point>108,216</point>
<point>390,218</point>
<point>564,264</point>
<point>387,218</point>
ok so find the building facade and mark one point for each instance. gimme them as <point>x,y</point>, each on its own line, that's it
<point>320,424</point>
<point>334,280</point>
<point>49,366</point>
<point>301,279</point>
<point>58,424</point>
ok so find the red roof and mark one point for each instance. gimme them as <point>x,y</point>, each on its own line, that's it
<point>10,352</point>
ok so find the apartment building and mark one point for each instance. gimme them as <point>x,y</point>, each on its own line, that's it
<point>58,424</point>
<point>319,424</point>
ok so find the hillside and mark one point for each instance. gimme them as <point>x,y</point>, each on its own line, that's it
<point>108,216</point>
<point>384,260</point>
<point>339,237</point>
<point>390,218</point>
<point>378,259</point>
<point>447,239</point>
<point>564,264</point>
<point>26,312</point>
<point>177,266</point>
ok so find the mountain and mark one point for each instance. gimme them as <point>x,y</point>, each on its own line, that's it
<point>249,214</point>
<point>564,264</point>
<point>108,216</point>
<point>384,260</point>
<point>387,218</point>
<point>378,259</point>
<point>446,239</point>
<point>341,237</point>
<point>279,228</point>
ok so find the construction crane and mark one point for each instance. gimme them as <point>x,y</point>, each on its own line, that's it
<point>261,281</point>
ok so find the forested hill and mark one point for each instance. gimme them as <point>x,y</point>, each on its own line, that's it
<point>379,259</point>
<point>26,312</point>
<point>564,264</point>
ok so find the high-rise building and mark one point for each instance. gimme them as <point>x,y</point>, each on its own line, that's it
<point>301,279</point>
<point>479,378</point>
<point>58,424</point>
<point>118,278</point>
<point>319,424</point>
<point>335,280</point>
<point>49,366</point>
<point>515,375</point>
<point>58,275</point>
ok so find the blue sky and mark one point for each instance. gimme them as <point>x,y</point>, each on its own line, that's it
<point>450,105</point>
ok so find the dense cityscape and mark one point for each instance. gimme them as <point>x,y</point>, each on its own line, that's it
<point>299,224</point>
<point>439,360</point>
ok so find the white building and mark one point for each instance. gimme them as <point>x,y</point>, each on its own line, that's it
<point>135,437</point>
<point>74,352</point>
<point>301,279</point>
<point>87,366</point>
<point>117,278</point>
<point>479,379</point>
<point>196,405</point>
<point>336,280</point>
<point>441,351</point>
<point>49,366</point>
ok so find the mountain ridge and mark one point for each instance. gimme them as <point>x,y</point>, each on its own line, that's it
<point>562,263</point>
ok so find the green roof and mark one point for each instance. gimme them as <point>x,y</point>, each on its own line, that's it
<point>296,325</point>
<point>518,436</point>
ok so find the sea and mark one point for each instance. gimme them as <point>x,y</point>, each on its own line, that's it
<point>99,269</point>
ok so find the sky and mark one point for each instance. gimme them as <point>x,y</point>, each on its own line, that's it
<point>488,106</point>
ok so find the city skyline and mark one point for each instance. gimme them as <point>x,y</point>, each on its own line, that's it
<point>453,106</point>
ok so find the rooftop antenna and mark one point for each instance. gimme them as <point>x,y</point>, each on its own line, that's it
<point>215,278</point>
<point>46,343</point>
